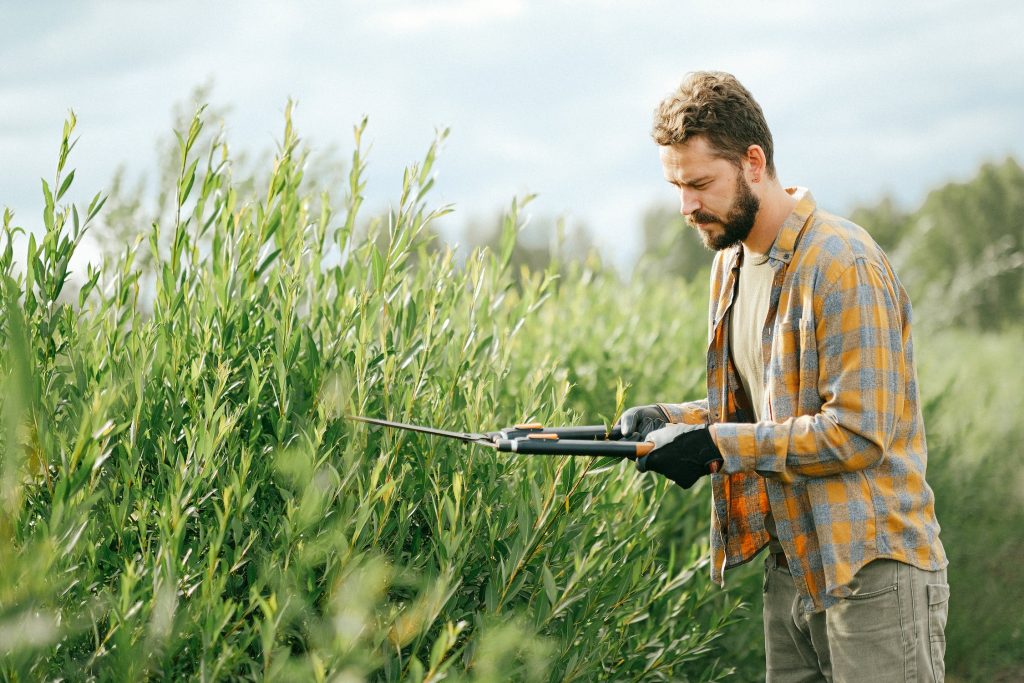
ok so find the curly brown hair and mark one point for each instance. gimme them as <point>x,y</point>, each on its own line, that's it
<point>716,105</point>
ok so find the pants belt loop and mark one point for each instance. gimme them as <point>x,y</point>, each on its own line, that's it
<point>781,561</point>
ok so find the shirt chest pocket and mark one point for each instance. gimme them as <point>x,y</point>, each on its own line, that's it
<point>793,370</point>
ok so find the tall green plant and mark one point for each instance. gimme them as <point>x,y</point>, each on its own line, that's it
<point>182,497</point>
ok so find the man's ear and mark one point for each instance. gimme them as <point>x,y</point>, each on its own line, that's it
<point>756,163</point>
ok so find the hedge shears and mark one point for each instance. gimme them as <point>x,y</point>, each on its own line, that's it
<point>533,439</point>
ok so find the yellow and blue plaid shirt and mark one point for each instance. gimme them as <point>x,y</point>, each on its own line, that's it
<point>840,456</point>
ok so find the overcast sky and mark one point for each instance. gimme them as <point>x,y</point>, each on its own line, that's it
<point>864,98</point>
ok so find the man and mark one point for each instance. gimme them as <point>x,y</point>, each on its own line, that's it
<point>812,423</point>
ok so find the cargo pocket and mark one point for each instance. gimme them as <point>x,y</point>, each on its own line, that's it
<point>938,610</point>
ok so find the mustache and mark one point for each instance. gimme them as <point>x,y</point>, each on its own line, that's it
<point>702,217</point>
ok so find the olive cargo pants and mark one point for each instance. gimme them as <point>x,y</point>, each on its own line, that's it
<point>891,629</point>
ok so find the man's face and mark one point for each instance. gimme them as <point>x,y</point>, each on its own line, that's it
<point>714,196</point>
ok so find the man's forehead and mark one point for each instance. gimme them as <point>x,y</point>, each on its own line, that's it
<point>696,149</point>
<point>688,161</point>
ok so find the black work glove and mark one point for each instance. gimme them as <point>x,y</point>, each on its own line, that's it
<point>683,453</point>
<point>639,421</point>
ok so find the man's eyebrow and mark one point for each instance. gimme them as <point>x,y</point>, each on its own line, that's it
<point>690,183</point>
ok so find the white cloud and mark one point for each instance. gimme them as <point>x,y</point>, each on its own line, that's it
<point>439,16</point>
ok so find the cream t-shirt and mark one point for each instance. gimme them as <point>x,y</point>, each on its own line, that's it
<point>749,310</point>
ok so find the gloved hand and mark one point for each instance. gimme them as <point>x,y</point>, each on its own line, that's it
<point>683,453</point>
<point>639,421</point>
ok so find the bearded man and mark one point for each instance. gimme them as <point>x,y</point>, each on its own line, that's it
<point>812,424</point>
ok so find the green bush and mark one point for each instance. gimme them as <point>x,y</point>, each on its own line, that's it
<point>976,460</point>
<point>180,496</point>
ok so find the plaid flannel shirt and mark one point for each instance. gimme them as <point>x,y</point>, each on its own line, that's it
<point>840,455</point>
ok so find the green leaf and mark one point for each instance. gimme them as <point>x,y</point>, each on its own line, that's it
<point>416,670</point>
<point>95,205</point>
<point>550,589</point>
<point>377,262</point>
<point>48,208</point>
<point>181,146</point>
<point>266,263</point>
<point>66,184</point>
<point>31,270</point>
<point>187,180</point>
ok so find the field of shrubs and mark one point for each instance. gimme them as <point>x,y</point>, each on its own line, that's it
<point>181,496</point>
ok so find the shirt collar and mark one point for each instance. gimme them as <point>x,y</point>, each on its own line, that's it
<point>789,234</point>
<point>785,242</point>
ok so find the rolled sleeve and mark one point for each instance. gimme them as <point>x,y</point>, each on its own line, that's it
<point>691,412</point>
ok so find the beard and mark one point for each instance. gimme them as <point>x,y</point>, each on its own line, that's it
<point>736,225</point>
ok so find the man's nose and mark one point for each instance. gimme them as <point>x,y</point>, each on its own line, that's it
<point>688,202</point>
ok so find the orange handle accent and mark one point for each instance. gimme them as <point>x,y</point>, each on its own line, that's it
<point>530,425</point>
<point>548,437</point>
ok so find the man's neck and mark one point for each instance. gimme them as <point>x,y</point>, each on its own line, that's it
<point>776,205</point>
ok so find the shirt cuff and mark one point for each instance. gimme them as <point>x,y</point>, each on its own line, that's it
<point>759,447</point>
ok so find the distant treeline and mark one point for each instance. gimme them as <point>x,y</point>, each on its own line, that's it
<point>960,254</point>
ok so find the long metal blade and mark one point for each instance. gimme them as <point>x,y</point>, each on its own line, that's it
<point>462,436</point>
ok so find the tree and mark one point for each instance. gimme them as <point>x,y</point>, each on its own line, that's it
<point>886,222</point>
<point>961,254</point>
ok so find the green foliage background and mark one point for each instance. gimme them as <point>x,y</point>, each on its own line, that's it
<point>181,498</point>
